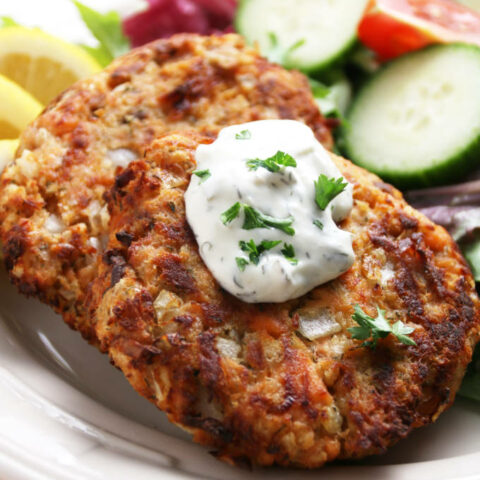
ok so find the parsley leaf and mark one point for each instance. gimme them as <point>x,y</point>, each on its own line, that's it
<point>326,189</point>
<point>202,174</point>
<point>241,263</point>
<point>255,219</point>
<point>377,328</point>
<point>243,135</point>
<point>274,163</point>
<point>318,224</point>
<point>289,253</point>
<point>231,214</point>
<point>107,29</point>
<point>255,250</point>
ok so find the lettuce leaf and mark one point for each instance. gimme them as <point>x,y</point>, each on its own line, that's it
<point>107,29</point>
<point>7,22</point>
<point>471,383</point>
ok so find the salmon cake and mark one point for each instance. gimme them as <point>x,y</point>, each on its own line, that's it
<point>53,216</point>
<point>243,378</point>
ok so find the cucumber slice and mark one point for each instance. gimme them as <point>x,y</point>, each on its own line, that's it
<point>417,121</point>
<point>327,27</point>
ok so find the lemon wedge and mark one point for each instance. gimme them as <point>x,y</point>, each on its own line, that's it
<point>17,108</point>
<point>42,64</point>
<point>7,151</point>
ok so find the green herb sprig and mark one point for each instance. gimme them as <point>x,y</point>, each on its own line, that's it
<point>289,253</point>
<point>202,174</point>
<point>256,219</point>
<point>326,189</point>
<point>243,135</point>
<point>228,216</point>
<point>254,250</point>
<point>373,329</point>
<point>274,163</point>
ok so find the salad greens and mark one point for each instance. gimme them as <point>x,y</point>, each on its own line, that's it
<point>8,22</point>
<point>471,383</point>
<point>107,29</point>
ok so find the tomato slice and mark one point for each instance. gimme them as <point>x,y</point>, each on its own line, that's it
<point>394,27</point>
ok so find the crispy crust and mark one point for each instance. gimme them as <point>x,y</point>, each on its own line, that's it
<point>239,376</point>
<point>52,211</point>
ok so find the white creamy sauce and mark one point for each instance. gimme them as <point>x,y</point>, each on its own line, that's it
<point>321,254</point>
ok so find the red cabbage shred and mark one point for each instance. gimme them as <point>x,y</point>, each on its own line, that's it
<point>164,18</point>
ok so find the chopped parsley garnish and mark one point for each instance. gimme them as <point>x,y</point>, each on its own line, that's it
<point>273,164</point>
<point>202,174</point>
<point>255,219</point>
<point>318,224</point>
<point>289,253</point>
<point>255,250</point>
<point>243,135</point>
<point>326,189</point>
<point>241,263</point>
<point>231,214</point>
<point>376,328</point>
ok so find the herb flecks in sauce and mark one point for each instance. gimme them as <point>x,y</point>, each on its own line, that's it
<point>373,329</point>
<point>318,224</point>
<point>262,243</point>
<point>231,214</point>
<point>202,174</point>
<point>289,253</point>
<point>255,219</point>
<point>243,135</point>
<point>326,189</point>
<point>273,164</point>
<point>241,263</point>
<point>254,250</point>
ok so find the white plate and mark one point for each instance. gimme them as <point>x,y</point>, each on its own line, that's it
<point>66,413</point>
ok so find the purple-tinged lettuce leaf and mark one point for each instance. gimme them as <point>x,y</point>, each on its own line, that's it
<point>471,383</point>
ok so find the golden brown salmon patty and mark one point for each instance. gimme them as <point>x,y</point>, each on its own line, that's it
<point>240,376</point>
<point>52,211</point>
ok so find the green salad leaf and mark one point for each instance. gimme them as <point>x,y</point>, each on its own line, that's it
<point>107,29</point>
<point>7,22</point>
<point>471,382</point>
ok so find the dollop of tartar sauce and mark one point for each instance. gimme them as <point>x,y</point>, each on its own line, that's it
<point>317,252</point>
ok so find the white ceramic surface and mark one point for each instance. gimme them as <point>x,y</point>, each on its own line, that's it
<point>66,413</point>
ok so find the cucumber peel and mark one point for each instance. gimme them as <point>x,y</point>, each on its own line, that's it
<point>326,30</point>
<point>417,121</point>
